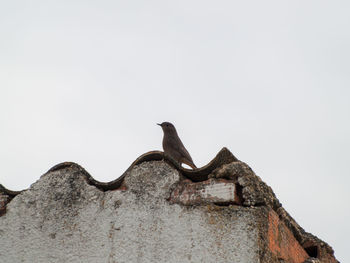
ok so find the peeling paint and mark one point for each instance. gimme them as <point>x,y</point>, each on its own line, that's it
<point>221,191</point>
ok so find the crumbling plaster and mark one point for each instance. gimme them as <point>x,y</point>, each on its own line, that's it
<point>156,211</point>
<point>63,219</point>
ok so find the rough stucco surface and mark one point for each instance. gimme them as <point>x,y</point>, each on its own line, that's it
<point>62,218</point>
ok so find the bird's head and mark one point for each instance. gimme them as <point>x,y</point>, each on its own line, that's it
<point>167,127</point>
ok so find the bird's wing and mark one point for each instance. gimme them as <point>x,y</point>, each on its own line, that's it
<point>185,153</point>
<point>178,147</point>
<point>186,157</point>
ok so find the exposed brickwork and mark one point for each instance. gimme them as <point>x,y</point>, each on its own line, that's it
<point>320,251</point>
<point>282,242</point>
<point>255,192</point>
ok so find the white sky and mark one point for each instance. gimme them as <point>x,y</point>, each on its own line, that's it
<point>87,81</point>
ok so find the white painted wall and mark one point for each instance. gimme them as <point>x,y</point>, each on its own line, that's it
<point>63,219</point>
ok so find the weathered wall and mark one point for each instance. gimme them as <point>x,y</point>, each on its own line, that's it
<point>63,219</point>
<point>156,215</point>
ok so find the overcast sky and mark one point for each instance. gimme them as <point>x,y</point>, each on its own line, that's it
<point>87,81</point>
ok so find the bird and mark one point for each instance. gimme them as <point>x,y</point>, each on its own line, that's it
<point>173,146</point>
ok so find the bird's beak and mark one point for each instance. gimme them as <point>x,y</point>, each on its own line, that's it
<point>159,124</point>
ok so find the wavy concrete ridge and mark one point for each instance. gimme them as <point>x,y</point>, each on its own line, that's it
<point>197,175</point>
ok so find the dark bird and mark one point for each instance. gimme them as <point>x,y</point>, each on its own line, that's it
<point>173,146</point>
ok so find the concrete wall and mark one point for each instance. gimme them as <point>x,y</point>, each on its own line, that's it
<point>63,219</point>
<point>155,216</point>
